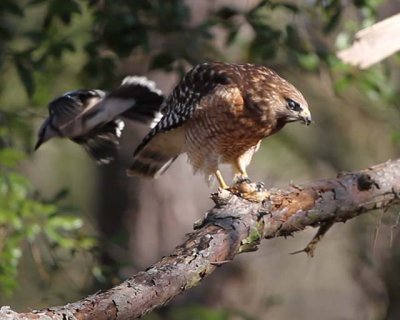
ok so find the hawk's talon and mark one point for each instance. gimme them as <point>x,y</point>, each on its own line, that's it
<point>242,179</point>
<point>260,186</point>
<point>251,191</point>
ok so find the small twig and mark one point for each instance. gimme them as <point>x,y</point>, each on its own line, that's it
<point>376,232</point>
<point>312,245</point>
<point>220,263</point>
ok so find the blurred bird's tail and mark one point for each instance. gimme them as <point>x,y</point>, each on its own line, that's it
<point>102,143</point>
<point>156,154</point>
<point>137,99</point>
<point>146,98</point>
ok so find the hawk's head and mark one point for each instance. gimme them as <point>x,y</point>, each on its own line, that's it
<point>290,104</point>
<point>271,97</point>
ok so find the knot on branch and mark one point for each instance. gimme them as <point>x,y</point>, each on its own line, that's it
<point>365,182</point>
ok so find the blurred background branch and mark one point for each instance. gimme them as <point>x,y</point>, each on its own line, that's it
<point>374,43</point>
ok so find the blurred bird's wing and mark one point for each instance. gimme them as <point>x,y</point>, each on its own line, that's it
<point>137,98</point>
<point>148,99</point>
<point>64,110</point>
<point>102,143</point>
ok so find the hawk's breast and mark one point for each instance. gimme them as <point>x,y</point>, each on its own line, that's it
<point>221,130</point>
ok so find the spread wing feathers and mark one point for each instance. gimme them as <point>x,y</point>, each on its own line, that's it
<point>165,141</point>
<point>184,100</point>
<point>66,108</point>
<point>102,143</point>
<point>157,156</point>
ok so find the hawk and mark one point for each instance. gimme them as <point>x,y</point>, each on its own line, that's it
<point>92,118</point>
<point>219,113</point>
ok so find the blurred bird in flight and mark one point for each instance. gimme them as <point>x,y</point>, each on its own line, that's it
<point>94,118</point>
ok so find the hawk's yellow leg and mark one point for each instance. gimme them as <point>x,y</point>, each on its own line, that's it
<point>221,180</point>
<point>239,171</point>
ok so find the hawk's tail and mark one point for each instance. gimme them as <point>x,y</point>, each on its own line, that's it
<point>153,157</point>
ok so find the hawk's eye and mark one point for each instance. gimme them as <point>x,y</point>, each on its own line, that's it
<point>293,105</point>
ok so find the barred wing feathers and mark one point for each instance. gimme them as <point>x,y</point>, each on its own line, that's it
<point>164,142</point>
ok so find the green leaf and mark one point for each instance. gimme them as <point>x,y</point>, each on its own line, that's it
<point>68,223</point>
<point>35,36</point>
<point>333,22</point>
<point>294,41</point>
<point>25,73</point>
<point>231,36</point>
<point>11,7</point>
<point>309,61</point>
<point>35,2</point>
<point>287,5</point>
<point>60,195</point>
<point>5,34</point>
<point>63,10</point>
<point>57,49</point>
<point>342,84</point>
<point>32,231</point>
<point>101,70</point>
<point>260,5</point>
<point>5,215</point>
<point>10,157</point>
<point>87,242</point>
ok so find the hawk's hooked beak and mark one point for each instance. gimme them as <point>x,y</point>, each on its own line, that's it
<point>305,117</point>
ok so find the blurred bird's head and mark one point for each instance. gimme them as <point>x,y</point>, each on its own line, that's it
<point>45,133</point>
<point>64,110</point>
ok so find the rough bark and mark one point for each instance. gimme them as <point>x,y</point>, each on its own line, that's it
<point>233,226</point>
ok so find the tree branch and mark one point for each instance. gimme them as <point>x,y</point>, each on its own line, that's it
<point>233,226</point>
